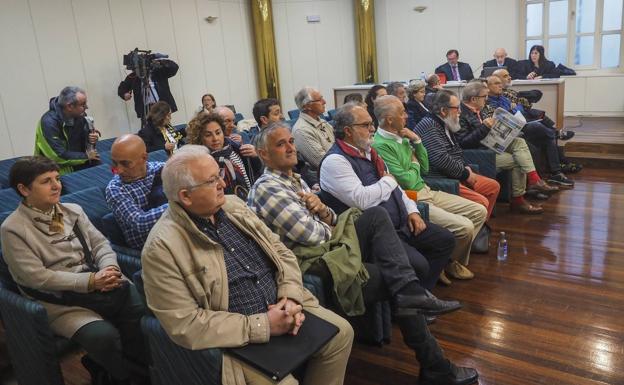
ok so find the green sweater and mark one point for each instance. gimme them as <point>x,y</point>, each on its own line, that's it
<point>398,158</point>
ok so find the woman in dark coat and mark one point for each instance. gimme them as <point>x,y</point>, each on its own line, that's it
<point>416,110</point>
<point>158,133</point>
<point>374,93</point>
<point>537,66</point>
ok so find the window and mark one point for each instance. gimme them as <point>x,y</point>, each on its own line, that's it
<point>583,34</point>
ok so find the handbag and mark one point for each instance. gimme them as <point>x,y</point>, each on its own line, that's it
<point>481,243</point>
<point>107,304</point>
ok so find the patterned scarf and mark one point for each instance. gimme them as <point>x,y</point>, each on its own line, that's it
<point>380,166</point>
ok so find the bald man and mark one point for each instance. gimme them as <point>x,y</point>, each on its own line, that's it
<point>501,60</point>
<point>135,194</point>
<point>230,123</point>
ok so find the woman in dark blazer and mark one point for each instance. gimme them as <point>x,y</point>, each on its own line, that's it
<point>158,133</point>
<point>416,110</point>
<point>537,66</point>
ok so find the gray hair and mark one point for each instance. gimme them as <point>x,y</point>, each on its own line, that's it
<point>69,95</point>
<point>384,106</point>
<point>344,118</point>
<point>472,89</point>
<point>303,97</point>
<point>176,175</point>
<point>415,86</point>
<point>394,87</point>
<point>263,136</point>
<point>442,99</point>
<point>222,110</point>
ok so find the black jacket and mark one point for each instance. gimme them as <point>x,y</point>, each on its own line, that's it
<point>154,139</point>
<point>510,63</point>
<point>548,70</point>
<point>465,72</point>
<point>159,76</point>
<point>472,130</point>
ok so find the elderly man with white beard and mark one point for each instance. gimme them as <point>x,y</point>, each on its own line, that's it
<point>437,132</point>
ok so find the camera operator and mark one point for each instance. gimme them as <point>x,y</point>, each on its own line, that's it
<point>64,133</point>
<point>148,77</point>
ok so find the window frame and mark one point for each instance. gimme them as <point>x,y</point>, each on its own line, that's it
<point>571,35</point>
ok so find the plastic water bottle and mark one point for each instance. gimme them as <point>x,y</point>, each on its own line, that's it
<point>423,77</point>
<point>501,254</point>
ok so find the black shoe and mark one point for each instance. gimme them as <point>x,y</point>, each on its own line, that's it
<point>534,194</point>
<point>426,304</point>
<point>565,135</point>
<point>561,180</point>
<point>456,375</point>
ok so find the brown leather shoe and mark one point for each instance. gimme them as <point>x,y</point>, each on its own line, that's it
<point>444,279</point>
<point>527,208</point>
<point>458,271</point>
<point>543,187</point>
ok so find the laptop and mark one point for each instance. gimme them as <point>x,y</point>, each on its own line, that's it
<point>488,71</point>
<point>282,355</point>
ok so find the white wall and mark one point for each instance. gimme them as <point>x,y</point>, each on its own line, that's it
<point>49,44</point>
<point>409,42</point>
<point>321,55</point>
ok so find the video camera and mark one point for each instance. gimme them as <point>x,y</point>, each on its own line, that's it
<point>143,62</point>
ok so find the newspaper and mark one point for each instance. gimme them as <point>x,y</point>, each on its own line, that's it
<point>505,129</point>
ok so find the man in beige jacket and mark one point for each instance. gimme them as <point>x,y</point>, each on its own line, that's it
<point>215,276</point>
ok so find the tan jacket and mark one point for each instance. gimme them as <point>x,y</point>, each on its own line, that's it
<point>186,283</point>
<point>41,260</point>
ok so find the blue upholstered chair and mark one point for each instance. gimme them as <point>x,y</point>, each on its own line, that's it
<point>97,176</point>
<point>293,114</point>
<point>104,144</point>
<point>93,202</point>
<point>33,348</point>
<point>9,200</point>
<point>238,117</point>
<point>5,167</point>
<point>157,156</point>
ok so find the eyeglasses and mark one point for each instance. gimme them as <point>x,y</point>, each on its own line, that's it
<point>365,124</point>
<point>458,108</point>
<point>209,183</point>
<point>481,96</point>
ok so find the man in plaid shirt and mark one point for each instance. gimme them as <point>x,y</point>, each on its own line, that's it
<point>135,194</point>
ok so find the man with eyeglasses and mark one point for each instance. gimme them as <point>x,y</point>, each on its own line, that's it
<point>517,157</point>
<point>135,194</point>
<point>64,135</point>
<point>446,157</point>
<point>313,134</point>
<point>402,150</point>
<point>217,277</point>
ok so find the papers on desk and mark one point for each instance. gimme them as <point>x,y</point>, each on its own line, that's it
<point>505,129</point>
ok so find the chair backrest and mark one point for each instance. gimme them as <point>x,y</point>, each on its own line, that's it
<point>293,114</point>
<point>9,200</point>
<point>112,231</point>
<point>157,156</point>
<point>97,176</point>
<point>5,167</point>
<point>92,201</point>
<point>175,365</point>
<point>331,114</point>
<point>238,117</point>
<point>104,144</point>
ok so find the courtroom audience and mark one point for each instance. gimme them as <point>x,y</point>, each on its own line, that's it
<point>415,107</point>
<point>158,133</point>
<point>208,103</point>
<point>354,97</point>
<point>374,92</point>
<point>397,89</point>
<point>229,119</point>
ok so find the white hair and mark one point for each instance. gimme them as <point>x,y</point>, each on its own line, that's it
<point>176,175</point>
<point>304,96</point>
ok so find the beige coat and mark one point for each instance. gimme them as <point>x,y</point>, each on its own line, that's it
<point>186,283</point>
<point>41,260</point>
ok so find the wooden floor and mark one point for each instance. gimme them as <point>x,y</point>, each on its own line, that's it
<point>552,314</point>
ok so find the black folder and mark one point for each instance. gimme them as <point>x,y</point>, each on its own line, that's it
<point>283,354</point>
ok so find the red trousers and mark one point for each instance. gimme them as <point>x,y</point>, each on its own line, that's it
<point>485,191</point>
